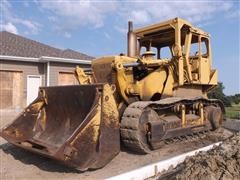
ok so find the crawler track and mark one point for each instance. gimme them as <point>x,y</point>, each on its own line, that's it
<point>131,120</point>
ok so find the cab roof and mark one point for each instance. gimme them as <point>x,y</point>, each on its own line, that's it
<point>163,34</point>
<point>164,26</point>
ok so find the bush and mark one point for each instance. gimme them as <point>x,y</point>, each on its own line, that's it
<point>217,93</point>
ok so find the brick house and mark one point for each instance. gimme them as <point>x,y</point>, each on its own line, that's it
<point>25,65</point>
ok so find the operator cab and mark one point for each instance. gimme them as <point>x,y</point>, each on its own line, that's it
<point>174,40</point>
<point>162,43</point>
<point>162,47</point>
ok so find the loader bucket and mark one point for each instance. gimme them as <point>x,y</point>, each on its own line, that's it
<point>77,125</point>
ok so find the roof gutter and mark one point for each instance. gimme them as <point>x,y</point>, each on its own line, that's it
<point>45,59</point>
<point>17,58</point>
<point>64,60</point>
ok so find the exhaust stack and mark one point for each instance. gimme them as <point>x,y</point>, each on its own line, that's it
<point>132,41</point>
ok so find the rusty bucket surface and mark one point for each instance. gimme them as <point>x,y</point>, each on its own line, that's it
<point>77,125</point>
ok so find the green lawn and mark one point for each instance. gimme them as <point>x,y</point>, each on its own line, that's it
<point>233,112</point>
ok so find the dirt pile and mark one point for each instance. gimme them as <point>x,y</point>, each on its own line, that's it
<point>222,162</point>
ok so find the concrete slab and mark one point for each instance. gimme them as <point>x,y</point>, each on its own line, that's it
<point>232,124</point>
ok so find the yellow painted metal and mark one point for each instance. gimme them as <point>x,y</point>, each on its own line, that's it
<point>164,76</point>
<point>88,115</point>
<point>201,113</point>
<point>147,77</point>
<point>82,77</point>
<point>186,52</point>
<point>109,107</point>
<point>180,72</point>
<point>183,115</point>
<point>160,26</point>
<point>94,125</point>
<point>213,77</point>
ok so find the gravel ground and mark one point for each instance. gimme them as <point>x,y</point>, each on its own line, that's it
<point>17,163</point>
<point>221,163</point>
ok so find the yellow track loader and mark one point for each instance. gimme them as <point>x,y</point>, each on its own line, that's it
<point>155,93</point>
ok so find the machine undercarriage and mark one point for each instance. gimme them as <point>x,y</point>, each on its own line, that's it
<point>146,126</point>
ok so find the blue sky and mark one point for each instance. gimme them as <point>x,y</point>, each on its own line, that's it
<point>99,28</point>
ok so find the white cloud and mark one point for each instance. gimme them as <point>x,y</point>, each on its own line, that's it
<point>196,11</point>
<point>147,12</point>
<point>121,29</point>
<point>5,10</point>
<point>52,18</point>
<point>33,27</point>
<point>141,16</point>
<point>78,13</point>
<point>69,15</point>
<point>67,35</point>
<point>233,14</point>
<point>9,27</point>
<point>10,17</point>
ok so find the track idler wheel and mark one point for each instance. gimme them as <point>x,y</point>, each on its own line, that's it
<point>214,115</point>
<point>135,129</point>
<point>144,130</point>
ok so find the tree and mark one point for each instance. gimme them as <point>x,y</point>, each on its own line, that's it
<point>217,93</point>
<point>235,98</point>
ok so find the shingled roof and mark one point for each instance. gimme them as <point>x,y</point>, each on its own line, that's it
<point>15,45</point>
